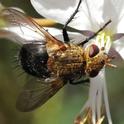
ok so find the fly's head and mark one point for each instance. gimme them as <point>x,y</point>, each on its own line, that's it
<point>96,59</point>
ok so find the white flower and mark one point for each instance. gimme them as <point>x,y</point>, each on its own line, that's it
<point>91,16</point>
<point>15,26</point>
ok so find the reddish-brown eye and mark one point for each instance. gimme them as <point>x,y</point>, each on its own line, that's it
<point>93,51</point>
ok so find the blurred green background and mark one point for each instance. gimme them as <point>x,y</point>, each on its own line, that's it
<point>63,107</point>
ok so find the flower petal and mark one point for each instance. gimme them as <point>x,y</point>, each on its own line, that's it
<point>90,12</point>
<point>119,47</point>
<point>120,25</point>
<point>20,35</point>
<point>95,89</point>
<point>98,85</point>
<point>58,10</point>
<point>114,10</point>
<point>117,36</point>
<point>109,12</point>
<point>119,8</point>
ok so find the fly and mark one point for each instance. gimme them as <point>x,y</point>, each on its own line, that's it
<point>55,62</point>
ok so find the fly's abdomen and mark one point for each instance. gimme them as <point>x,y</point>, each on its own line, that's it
<point>33,59</point>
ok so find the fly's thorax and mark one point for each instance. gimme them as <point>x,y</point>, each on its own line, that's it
<point>95,60</point>
<point>54,47</point>
<point>67,62</point>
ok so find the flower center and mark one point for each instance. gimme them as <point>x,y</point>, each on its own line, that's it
<point>104,40</point>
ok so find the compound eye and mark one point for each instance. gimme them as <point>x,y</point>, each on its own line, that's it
<point>93,50</point>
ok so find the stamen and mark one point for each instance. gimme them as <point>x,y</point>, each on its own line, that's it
<point>100,120</point>
<point>103,40</point>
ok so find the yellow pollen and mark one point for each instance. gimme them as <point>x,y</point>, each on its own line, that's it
<point>104,39</point>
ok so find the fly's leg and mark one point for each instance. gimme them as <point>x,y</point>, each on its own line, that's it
<point>95,34</point>
<point>79,82</point>
<point>65,34</point>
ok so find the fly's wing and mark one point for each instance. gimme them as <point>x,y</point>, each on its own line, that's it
<point>18,27</point>
<point>22,28</point>
<point>37,93</point>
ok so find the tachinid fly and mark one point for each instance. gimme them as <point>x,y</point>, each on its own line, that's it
<point>53,61</point>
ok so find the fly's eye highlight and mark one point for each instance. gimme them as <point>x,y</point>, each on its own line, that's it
<point>93,50</point>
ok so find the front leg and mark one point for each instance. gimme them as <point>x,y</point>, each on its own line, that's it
<point>65,34</point>
<point>96,33</point>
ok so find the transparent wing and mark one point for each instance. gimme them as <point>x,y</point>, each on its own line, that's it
<point>18,27</point>
<point>22,28</point>
<point>37,93</point>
